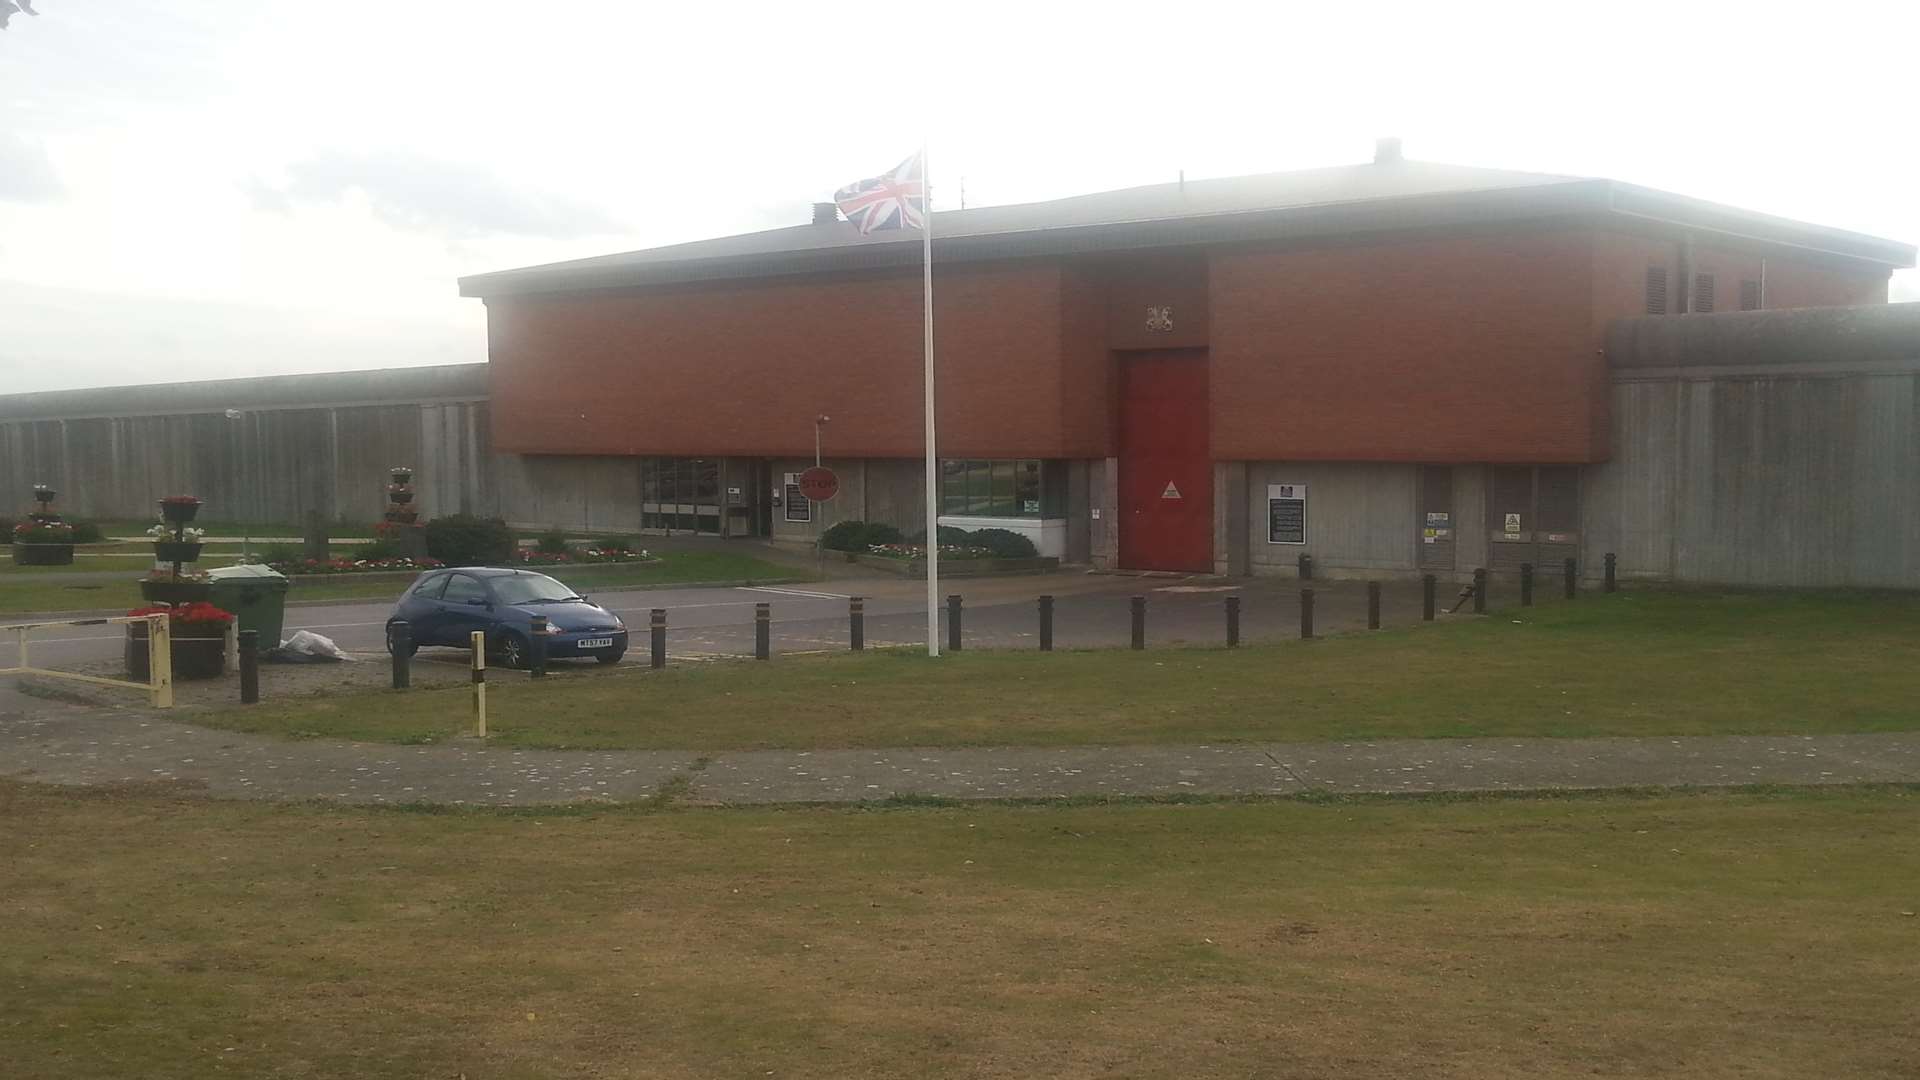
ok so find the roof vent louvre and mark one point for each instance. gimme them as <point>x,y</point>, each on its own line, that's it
<point>825,213</point>
<point>1386,151</point>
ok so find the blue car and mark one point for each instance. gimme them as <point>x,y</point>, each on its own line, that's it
<point>445,607</point>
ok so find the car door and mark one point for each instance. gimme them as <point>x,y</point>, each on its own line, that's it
<point>421,608</point>
<point>465,606</point>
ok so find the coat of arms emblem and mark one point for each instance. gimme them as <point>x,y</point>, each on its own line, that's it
<point>1160,319</point>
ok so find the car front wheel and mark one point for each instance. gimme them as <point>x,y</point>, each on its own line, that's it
<point>513,650</point>
<point>610,656</point>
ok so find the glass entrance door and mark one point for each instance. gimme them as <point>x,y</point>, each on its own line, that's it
<point>681,495</point>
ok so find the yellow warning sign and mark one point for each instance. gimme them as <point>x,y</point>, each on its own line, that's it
<point>1171,492</point>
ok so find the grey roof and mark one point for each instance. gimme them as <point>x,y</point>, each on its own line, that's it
<point>445,382</point>
<point>1313,202</point>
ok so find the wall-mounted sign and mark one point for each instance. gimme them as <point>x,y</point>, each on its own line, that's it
<point>793,503</point>
<point>1513,524</point>
<point>1286,513</point>
<point>1171,492</point>
<point>1160,319</point>
<point>1437,519</point>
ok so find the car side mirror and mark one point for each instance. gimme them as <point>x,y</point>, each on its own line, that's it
<point>476,602</point>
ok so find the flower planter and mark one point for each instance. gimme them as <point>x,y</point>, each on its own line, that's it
<point>402,476</point>
<point>178,513</point>
<point>193,657</point>
<point>917,568</point>
<point>175,592</point>
<point>25,554</point>
<point>402,517</point>
<point>400,498</point>
<point>174,551</point>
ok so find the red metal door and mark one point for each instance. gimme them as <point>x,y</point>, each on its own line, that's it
<point>1166,477</point>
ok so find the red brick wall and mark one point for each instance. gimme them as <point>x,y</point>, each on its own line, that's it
<point>742,368</point>
<point>1793,279</point>
<point>1467,348</point>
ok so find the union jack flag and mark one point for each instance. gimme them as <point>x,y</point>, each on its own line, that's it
<point>892,200</point>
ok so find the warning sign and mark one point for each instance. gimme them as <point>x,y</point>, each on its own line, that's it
<point>1171,492</point>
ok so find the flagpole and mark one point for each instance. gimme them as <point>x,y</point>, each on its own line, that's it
<point>933,463</point>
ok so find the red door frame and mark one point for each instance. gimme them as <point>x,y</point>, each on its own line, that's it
<point>1166,468</point>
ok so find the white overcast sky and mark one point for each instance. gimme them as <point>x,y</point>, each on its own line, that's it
<point>232,187</point>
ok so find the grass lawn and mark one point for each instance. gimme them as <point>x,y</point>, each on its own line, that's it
<point>1645,663</point>
<point>24,594</point>
<point>1759,934</point>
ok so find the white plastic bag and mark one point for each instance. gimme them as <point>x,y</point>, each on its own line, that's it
<point>308,646</point>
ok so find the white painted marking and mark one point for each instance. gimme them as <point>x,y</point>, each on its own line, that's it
<point>795,592</point>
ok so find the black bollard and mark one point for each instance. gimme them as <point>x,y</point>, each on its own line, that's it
<point>857,622</point>
<point>1373,605</point>
<point>1306,567</point>
<point>1479,591</point>
<point>762,631</point>
<point>953,623</point>
<point>1573,582</point>
<point>400,644</point>
<point>249,666</point>
<point>1306,613</point>
<point>537,649</point>
<point>1046,624</point>
<point>1611,584</point>
<point>657,635</point>
<point>1427,584</point>
<point>1138,639</point>
<point>1526,584</point>
<point>1233,622</point>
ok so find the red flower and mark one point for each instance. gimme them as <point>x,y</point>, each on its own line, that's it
<point>197,612</point>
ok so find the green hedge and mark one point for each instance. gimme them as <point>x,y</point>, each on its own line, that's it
<point>858,536</point>
<point>466,540</point>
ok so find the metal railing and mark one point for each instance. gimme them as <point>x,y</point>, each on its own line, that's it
<point>159,684</point>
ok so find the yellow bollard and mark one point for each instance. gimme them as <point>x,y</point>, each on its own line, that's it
<point>160,661</point>
<point>480,684</point>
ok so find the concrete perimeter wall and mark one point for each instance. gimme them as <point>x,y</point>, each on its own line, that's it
<point>300,443</point>
<point>1763,448</point>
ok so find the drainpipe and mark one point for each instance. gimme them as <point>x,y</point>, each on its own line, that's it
<point>1686,273</point>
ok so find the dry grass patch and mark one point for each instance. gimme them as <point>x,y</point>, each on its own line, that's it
<point>1754,934</point>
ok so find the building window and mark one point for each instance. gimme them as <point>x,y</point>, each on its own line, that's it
<point>1656,290</point>
<point>1749,296</point>
<point>1011,488</point>
<point>1703,292</point>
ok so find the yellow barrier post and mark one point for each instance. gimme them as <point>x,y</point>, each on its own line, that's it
<point>480,683</point>
<point>160,661</point>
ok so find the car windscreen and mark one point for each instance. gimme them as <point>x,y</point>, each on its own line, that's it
<point>529,589</point>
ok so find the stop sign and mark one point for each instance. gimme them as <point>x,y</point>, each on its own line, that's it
<point>819,484</point>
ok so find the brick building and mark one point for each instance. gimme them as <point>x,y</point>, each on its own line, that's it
<point>1384,364</point>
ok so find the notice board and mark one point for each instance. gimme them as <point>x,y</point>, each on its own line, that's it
<point>1286,513</point>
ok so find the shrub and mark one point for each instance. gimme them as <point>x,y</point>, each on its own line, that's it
<point>1004,543</point>
<point>551,542</point>
<point>615,543</point>
<point>467,540</point>
<point>6,532</point>
<point>279,553</point>
<point>858,536</point>
<point>950,536</point>
<point>87,532</point>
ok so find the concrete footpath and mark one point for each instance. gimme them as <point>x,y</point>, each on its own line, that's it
<point>85,747</point>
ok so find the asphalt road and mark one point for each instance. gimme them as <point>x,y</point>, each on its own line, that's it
<point>1091,611</point>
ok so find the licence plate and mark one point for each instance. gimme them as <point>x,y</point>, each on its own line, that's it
<point>596,643</point>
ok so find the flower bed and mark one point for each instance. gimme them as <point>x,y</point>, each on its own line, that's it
<point>311,567</point>
<point>579,556</point>
<point>919,551</point>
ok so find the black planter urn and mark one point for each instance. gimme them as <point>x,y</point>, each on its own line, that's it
<point>193,657</point>
<point>177,551</point>
<point>179,513</point>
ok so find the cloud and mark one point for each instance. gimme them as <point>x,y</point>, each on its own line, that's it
<point>26,173</point>
<point>412,192</point>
